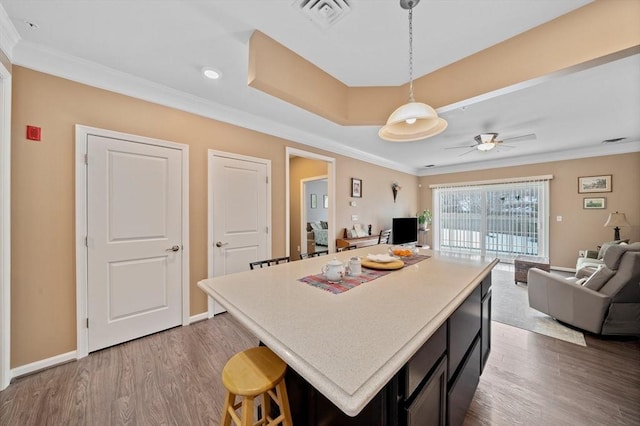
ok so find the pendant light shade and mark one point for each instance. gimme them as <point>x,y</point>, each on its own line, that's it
<point>413,121</point>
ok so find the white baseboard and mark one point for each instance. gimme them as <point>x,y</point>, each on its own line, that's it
<point>43,363</point>
<point>198,317</point>
<point>70,356</point>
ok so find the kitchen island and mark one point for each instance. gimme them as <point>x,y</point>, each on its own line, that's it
<point>374,350</point>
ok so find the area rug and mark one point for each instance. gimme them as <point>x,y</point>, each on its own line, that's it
<point>510,305</point>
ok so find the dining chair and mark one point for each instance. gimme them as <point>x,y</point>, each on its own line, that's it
<point>269,262</point>
<point>384,236</point>
<point>314,254</point>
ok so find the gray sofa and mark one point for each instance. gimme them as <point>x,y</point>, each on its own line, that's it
<point>594,258</point>
<point>608,302</point>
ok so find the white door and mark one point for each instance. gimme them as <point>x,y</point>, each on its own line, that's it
<point>134,223</point>
<point>239,208</point>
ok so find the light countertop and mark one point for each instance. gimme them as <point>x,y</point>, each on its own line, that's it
<point>348,345</point>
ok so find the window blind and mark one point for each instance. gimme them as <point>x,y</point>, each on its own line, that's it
<point>503,219</point>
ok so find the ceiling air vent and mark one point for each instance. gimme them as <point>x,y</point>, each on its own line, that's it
<point>323,13</point>
<point>614,140</point>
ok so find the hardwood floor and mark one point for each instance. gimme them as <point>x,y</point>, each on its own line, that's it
<point>173,378</point>
<point>531,379</point>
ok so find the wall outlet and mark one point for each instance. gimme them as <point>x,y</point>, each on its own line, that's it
<point>354,218</point>
<point>582,253</point>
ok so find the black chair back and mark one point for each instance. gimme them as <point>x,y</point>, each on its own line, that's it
<point>269,262</point>
<point>385,234</point>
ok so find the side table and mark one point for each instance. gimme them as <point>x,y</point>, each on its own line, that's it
<point>524,263</point>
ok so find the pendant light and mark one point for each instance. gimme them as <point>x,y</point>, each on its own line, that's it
<point>412,121</point>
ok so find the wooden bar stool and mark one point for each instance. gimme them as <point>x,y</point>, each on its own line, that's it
<point>256,371</point>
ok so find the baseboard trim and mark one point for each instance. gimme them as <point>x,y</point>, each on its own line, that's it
<point>198,317</point>
<point>43,364</point>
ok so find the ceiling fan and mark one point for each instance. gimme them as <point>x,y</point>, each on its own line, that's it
<point>488,141</point>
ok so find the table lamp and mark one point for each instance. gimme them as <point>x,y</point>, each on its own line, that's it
<point>615,221</point>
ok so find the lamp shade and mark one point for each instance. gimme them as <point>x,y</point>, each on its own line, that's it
<point>401,126</point>
<point>616,219</point>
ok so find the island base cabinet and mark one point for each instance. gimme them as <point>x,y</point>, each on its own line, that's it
<point>435,387</point>
<point>486,329</point>
<point>430,406</point>
<point>464,387</point>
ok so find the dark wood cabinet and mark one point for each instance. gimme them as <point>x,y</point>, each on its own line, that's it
<point>435,387</point>
<point>464,326</point>
<point>485,342</point>
<point>429,407</point>
<point>464,385</point>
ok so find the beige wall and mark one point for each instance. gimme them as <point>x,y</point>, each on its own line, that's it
<point>43,300</point>
<point>580,229</point>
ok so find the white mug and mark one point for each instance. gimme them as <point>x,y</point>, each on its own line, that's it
<point>355,266</point>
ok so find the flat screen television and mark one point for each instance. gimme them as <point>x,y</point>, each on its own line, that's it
<point>404,230</point>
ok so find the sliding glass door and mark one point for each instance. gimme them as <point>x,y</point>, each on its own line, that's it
<point>502,220</point>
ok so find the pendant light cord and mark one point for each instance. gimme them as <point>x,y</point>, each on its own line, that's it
<point>411,99</point>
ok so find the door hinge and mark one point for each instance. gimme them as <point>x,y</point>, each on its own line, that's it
<point>86,241</point>
<point>87,322</point>
<point>86,159</point>
<point>267,230</point>
<point>266,179</point>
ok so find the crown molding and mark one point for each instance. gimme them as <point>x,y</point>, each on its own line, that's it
<point>9,36</point>
<point>51,61</point>
<point>548,157</point>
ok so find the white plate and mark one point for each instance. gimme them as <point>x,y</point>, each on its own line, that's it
<point>381,258</point>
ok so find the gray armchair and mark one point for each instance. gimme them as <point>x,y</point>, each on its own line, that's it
<point>608,302</point>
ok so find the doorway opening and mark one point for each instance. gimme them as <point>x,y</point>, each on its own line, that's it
<point>304,166</point>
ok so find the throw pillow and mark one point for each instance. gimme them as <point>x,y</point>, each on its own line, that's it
<point>324,225</point>
<point>315,226</point>
<point>605,246</point>
<point>599,278</point>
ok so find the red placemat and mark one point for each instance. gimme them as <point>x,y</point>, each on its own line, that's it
<point>349,282</point>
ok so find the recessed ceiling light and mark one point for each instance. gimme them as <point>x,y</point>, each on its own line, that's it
<point>211,73</point>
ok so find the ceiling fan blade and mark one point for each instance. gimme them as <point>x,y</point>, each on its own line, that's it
<point>458,147</point>
<point>505,146</point>
<point>465,153</point>
<point>530,136</point>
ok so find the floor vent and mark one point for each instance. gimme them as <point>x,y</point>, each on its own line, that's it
<point>323,13</point>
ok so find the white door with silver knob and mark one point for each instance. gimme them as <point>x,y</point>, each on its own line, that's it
<point>134,224</point>
<point>239,209</point>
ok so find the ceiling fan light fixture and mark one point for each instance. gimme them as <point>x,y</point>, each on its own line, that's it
<point>486,137</point>
<point>412,121</point>
<point>486,146</point>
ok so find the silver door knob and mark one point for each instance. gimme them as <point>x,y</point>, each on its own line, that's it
<point>220,244</point>
<point>174,248</point>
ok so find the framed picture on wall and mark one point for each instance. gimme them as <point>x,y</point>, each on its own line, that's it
<point>594,184</point>
<point>356,188</point>
<point>594,203</point>
<point>314,201</point>
<point>325,201</point>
